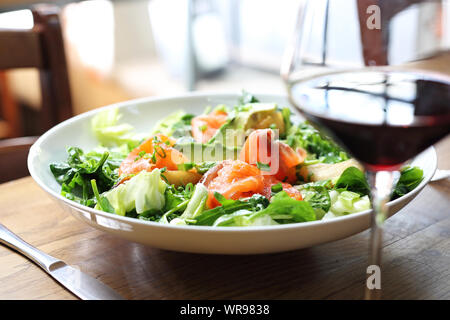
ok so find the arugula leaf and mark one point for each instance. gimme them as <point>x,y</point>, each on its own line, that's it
<point>319,199</point>
<point>410,178</point>
<point>174,197</point>
<point>318,146</point>
<point>102,202</point>
<point>258,202</point>
<point>177,200</point>
<point>327,184</point>
<point>354,180</point>
<point>77,189</point>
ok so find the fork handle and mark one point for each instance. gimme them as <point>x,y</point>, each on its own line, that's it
<point>11,240</point>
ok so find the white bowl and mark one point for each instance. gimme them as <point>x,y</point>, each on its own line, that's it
<point>143,114</point>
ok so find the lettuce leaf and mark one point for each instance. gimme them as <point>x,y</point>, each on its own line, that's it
<point>143,193</point>
<point>110,133</point>
<point>348,202</point>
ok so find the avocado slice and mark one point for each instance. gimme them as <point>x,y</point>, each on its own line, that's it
<point>258,116</point>
<point>247,117</point>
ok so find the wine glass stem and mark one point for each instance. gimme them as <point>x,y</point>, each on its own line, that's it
<point>381,183</point>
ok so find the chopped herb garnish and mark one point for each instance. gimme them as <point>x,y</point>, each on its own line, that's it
<point>140,155</point>
<point>263,166</point>
<point>163,176</point>
<point>186,166</point>
<point>163,155</point>
<point>153,157</point>
<point>277,187</point>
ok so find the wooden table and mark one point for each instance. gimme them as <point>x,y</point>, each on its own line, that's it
<point>416,256</point>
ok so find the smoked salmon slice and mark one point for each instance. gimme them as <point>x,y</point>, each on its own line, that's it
<point>270,181</point>
<point>204,127</point>
<point>156,152</point>
<point>261,147</point>
<point>236,179</point>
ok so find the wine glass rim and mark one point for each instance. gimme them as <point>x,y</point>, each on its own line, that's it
<point>418,121</point>
<point>435,75</point>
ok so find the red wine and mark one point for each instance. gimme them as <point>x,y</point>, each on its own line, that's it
<point>382,118</point>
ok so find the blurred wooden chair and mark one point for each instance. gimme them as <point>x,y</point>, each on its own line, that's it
<point>13,157</point>
<point>41,47</point>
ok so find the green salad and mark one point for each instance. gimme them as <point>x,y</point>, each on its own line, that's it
<point>248,164</point>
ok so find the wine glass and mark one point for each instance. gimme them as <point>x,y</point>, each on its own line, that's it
<point>375,76</point>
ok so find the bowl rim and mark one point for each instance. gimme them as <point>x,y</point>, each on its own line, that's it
<point>223,229</point>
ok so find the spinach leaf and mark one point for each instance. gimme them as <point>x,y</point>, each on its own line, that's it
<point>284,209</point>
<point>76,173</point>
<point>410,178</point>
<point>354,180</point>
